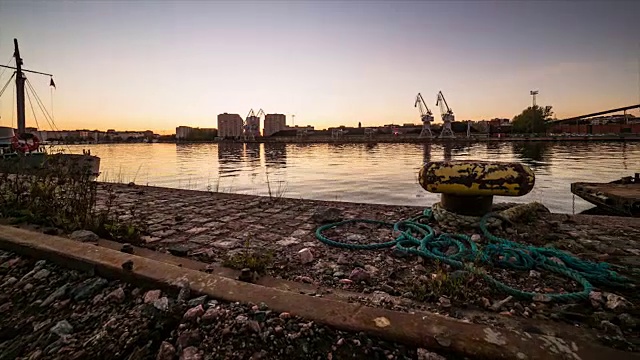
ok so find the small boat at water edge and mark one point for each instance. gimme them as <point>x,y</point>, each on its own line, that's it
<point>619,197</point>
<point>23,150</point>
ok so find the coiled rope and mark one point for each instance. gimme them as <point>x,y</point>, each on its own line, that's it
<point>418,238</point>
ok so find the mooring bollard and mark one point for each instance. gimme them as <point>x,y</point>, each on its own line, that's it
<point>468,187</point>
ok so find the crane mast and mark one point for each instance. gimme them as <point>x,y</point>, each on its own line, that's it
<point>447,116</point>
<point>426,116</point>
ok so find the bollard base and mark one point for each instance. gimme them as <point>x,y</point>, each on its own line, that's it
<point>467,205</point>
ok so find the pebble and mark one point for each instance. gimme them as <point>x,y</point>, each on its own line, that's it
<point>211,314</point>
<point>424,354</point>
<point>41,274</point>
<point>610,328</point>
<point>476,238</point>
<point>62,328</point>
<point>200,300</point>
<point>10,281</point>
<point>84,236</point>
<point>194,313</point>
<point>534,274</point>
<point>57,294</point>
<point>344,260</point>
<point>596,299</point>
<point>615,302</point>
<point>485,302</point>
<point>499,304</point>
<point>117,296</point>
<point>161,304</point>
<point>166,352</point>
<point>627,321</point>
<point>190,353</point>
<point>305,256</point>
<point>151,296</point>
<point>444,302</point>
<point>359,274</point>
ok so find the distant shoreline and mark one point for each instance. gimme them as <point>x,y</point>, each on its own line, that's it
<point>388,139</point>
<point>416,140</point>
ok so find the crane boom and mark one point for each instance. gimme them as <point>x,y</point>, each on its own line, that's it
<point>442,102</point>
<point>422,106</point>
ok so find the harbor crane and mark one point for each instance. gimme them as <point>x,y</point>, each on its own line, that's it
<point>426,116</point>
<point>447,116</point>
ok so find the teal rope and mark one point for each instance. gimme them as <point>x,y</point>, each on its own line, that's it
<point>418,238</point>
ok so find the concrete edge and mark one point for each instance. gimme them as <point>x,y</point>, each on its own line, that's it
<point>429,331</point>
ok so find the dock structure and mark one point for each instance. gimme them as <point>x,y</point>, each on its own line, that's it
<point>620,197</point>
<point>393,298</point>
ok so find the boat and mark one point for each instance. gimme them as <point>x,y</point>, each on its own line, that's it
<point>22,150</point>
<point>619,197</point>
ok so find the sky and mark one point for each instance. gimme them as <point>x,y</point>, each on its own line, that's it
<point>139,65</point>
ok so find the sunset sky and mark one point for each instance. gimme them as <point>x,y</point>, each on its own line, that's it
<point>159,64</point>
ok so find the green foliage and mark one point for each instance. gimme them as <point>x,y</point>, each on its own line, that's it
<point>532,120</point>
<point>62,195</point>
<point>247,258</point>
<point>441,283</point>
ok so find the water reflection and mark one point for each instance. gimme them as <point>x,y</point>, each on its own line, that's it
<point>229,156</point>
<point>535,154</point>
<point>426,153</point>
<point>338,171</point>
<point>275,155</point>
<point>447,147</point>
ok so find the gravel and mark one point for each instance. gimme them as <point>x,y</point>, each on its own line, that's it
<point>73,315</point>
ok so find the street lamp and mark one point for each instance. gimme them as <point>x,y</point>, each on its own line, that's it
<point>533,93</point>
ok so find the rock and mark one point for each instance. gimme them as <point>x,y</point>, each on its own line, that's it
<point>211,314</point>
<point>161,304</point>
<point>116,296</point>
<point>344,259</point>
<point>615,302</point>
<point>371,269</point>
<point>610,328</point>
<point>248,275</point>
<point>151,296</point>
<point>84,236</point>
<point>596,299</point>
<point>189,338</point>
<point>476,238</point>
<point>541,298</point>
<point>127,248</point>
<point>179,250</point>
<point>424,354</point>
<point>534,274</point>
<point>200,300</point>
<point>59,293</point>
<point>555,260</point>
<point>194,313</point>
<point>254,326</point>
<point>127,265</point>
<point>166,352</point>
<point>10,281</point>
<point>485,302</point>
<point>42,274</point>
<point>87,288</point>
<point>305,256</point>
<point>324,215</point>
<point>185,292</point>
<point>499,304</point>
<point>190,353</point>
<point>627,321</point>
<point>444,302</point>
<point>359,274</point>
<point>345,281</point>
<point>62,328</point>
<point>28,287</point>
<point>387,288</point>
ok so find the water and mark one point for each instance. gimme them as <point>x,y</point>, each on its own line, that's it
<point>370,173</point>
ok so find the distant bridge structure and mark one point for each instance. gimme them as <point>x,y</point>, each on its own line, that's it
<point>575,118</point>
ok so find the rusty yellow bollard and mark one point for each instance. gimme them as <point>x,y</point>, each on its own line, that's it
<point>468,187</point>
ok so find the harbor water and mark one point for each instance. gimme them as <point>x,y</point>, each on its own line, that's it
<point>369,173</point>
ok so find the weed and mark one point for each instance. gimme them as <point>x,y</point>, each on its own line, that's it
<point>247,258</point>
<point>62,195</point>
<point>455,286</point>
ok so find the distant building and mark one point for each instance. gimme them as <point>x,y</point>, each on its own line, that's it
<point>252,126</point>
<point>189,133</point>
<point>274,123</point>
<point>229,125</point>
<point>183,132</point>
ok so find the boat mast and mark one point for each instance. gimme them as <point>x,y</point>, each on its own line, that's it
<point>19,89</point>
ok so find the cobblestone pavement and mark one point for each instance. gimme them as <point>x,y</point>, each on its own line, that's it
<point>212,227</point>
